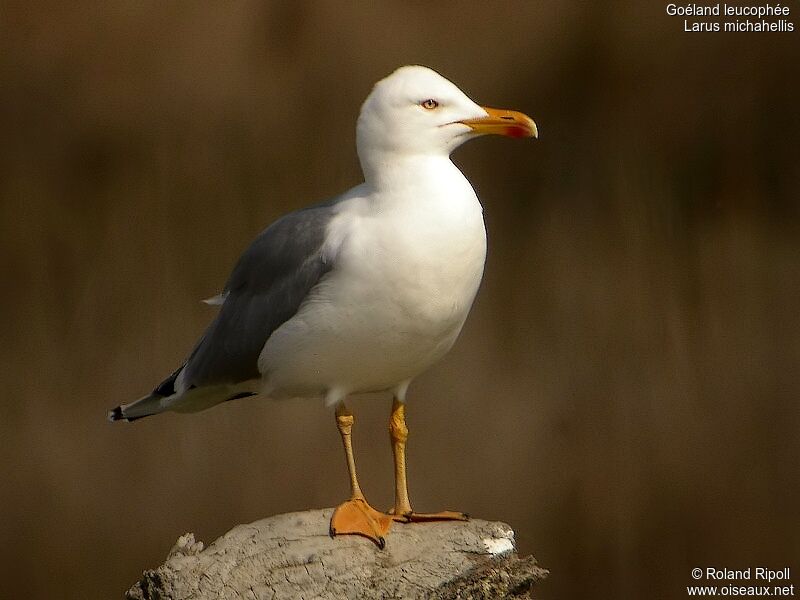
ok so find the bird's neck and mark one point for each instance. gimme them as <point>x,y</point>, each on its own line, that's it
<point>388,171</point>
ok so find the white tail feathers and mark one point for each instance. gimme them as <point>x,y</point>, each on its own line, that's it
<point>143,407</point>
<point>192,400</point>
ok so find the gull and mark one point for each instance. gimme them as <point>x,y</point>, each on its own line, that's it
<point>360,293</point>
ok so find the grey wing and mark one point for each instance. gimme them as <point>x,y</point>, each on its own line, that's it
<point>266,288</point>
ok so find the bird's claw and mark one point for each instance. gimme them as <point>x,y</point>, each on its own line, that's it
<point>356,517</point>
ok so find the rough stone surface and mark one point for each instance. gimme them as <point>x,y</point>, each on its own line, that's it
<point>291,556</point>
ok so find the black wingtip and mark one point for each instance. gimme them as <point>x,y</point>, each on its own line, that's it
<point>241,395</point>
<point>116,414</point>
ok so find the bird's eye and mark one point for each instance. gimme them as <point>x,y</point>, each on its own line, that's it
<point>429,104</point>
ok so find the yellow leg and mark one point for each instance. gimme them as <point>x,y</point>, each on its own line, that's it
<point>402,510</point>
<point>356,516</point>
<point>398,432</point>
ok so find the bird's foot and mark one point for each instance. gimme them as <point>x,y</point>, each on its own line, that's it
<point>356,517</point>
<point>415,517</point>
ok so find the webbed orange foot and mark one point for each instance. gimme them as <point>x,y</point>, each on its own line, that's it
<point>415,517</point>
<point>356,517</point>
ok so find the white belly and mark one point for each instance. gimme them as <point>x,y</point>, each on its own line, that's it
<point>401,288</point>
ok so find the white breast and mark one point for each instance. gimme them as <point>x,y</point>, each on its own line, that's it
<point>407,268</point>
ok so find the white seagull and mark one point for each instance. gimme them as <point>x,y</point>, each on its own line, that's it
<point>360,293</point>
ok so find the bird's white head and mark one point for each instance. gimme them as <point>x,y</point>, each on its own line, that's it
<point>416,111</point>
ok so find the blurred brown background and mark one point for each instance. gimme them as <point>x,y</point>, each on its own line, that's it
<point>625,393</point>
